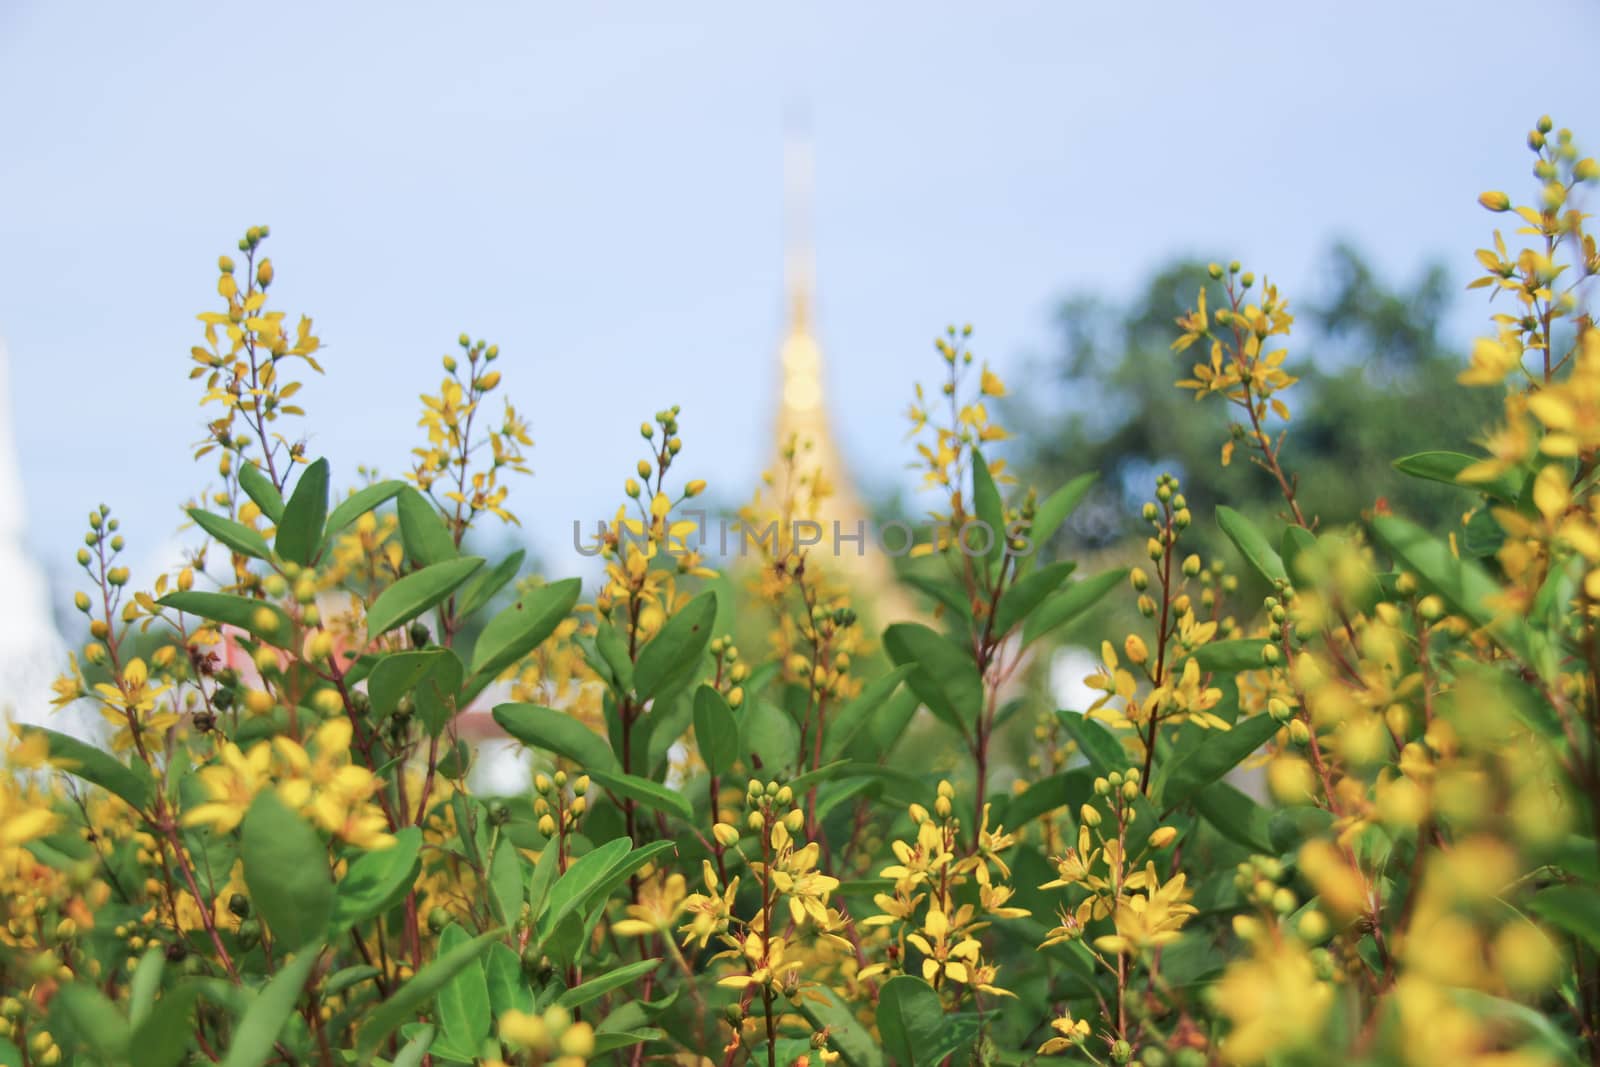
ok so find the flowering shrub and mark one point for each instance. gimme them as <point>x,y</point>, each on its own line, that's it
<point>1353,822</point>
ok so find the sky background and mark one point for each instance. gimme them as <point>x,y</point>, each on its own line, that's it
<point>598,189</point>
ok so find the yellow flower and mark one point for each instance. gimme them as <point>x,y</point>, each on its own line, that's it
<point>231,785</point>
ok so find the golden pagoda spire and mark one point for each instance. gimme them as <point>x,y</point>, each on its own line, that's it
<point>803,422</point>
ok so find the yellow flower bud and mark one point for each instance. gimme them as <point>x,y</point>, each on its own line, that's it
<point>1163,836</point>
<point>726,834</point>
<point>1089,815</point>
<point>264,273</point>
<point>695,488</point>
<point>1135,647</point>
<point>1495,201</point>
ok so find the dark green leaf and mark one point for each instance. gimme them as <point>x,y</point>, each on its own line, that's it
<point>823,1008</point>
<point>1028,592</point>
<point>258,487</point>
<point>673,654</point>
<point>910,1018</point>
<point>163,1038</point>
<point>417,592</point>
<point>506,881</point>
<point>1069,603</point>
<point>508,990</point>
<point>412,997</point>
<point>379,880</point>
<point>581,878</point>
<point>266,621</point>
<point>716,732</point>
<point>482,589</point>
<point>945,677</point>
<point>1573,908</point>
<point>269,1009</point>
<point>95,766</point>
<point>1230,657</point>
<point>300,529</point>
<point>580,995</point>
<point>652,795</point>
<point>423,530</point>
<point>1251,543</point>
<point>848,721</point>
<point>286,870</point>
<point>464,999</point>
<point>520,628</point>
<point>97,1021</point>
<point>354,506</point>
<point>770,735</point>
<point>234,535</point>
<point>1446,467</point>
<point>1235,816</point>
<point>555,731</point>
<point>1194,768</point>
<point>990,510</point>
<point>1096,742</point>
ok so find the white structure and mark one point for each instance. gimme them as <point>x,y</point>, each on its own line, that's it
<point>31,651</point>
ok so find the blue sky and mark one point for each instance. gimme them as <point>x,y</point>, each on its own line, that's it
<point>597,188</point>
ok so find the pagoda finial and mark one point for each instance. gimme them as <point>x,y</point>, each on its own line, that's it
<point>799,267</point>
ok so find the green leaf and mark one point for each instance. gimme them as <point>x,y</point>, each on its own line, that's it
<point>482,589</point>
<point>716,731</point>
<point>1446,467</point>
<point>581,878</point>
<point>378,881</point>
<point>397,674</point>
<point>1230,657</point>
<point>580,995</point>
<point>464,999</point>
<point>674,653</point>
<point>1056,508</point>
<point>1573,908</point>
<point>506,882</point>
<point>417,592</point>
<point>235,535</point>
<point>770,735</point>
<point>300,529</point>
<point>258,487</point>
<point>1235,816</point>
<point>1068,789</point>
<point>353,507</point>
<point>1096,742</point>
<point>1251,543</point>
<point>652,795</point>
<point>823,1008</point>
<point>95,766</point>
<point>1465,586</point>
<point>97,1021</point>
<point>1299,544</point>
<point>257,617</point>
<point>848,721</point>
<point>558,732</point>
<point>1069,603</point>
<point>438,694</point>
<point>508,990</point>
<point>1028,592</point>
<point>416,1050</point>
<point>410,998</point>
<point>945,678</point>
<point>144,985</point>
<point>991,511</point>
<point>269,1010</point>
<point>162,1039</point>
<point>910,1018</point>
<point>286,870</point>
<point>520,628</point>
<point>1194,768</point>
<point>423,531</point>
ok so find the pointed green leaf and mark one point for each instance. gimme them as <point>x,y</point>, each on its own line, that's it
<point>1193,768</point>
<point>286,870</point>
<point>269,1010</point>
<point>258,487</point>
<point>673,654</point>
<point>97,1021</point>
<point>1446,467</point>
<point>354,506</point>
<point>1251,543</point>
<point>409,999</point>
<point>417,592</point>
<point>95,766</point>
<point>423,530</point>
<point>990,510</point>
<point>464,999</point>
<point>257,617</point>
<point>945,677</point>
<point>233,535</point>
<point>300,529</point>
<point>482,588</point>
<point>379,880</point>
<point>1028,592</point>
<point>1061,608</point>
<point>652,795</point>
<point>558,732</point>
<point>580,995</point>
<point>716,731</point>
<point>520,628</point>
